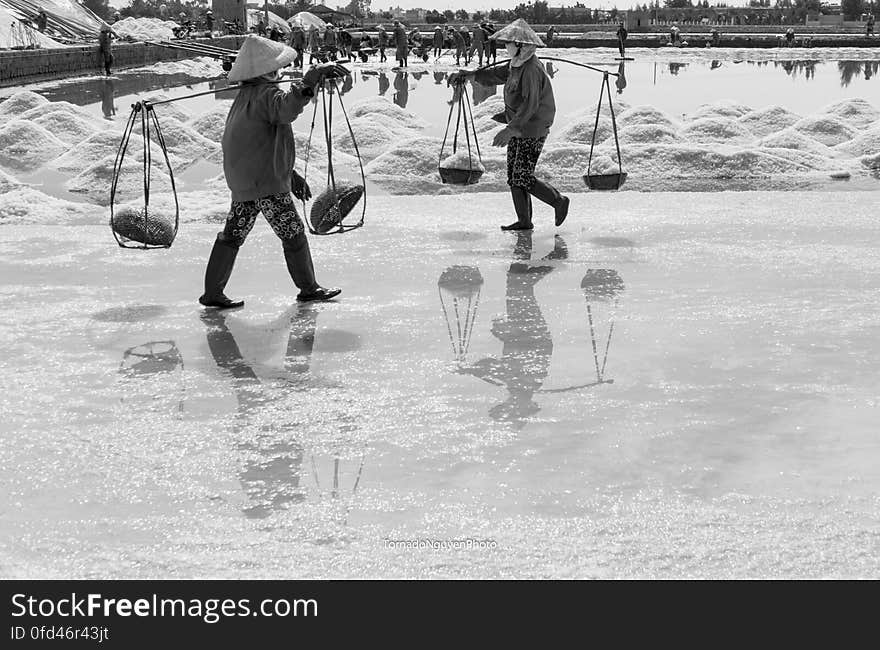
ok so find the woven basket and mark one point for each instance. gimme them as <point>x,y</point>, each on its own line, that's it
<point>605,181</point>
<point>330,208</point>
<point>156,230</point>
<point>459,176</point>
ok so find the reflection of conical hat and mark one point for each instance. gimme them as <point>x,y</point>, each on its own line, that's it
<point>259,56</point>
<point>461,280</point>
<point>518,32</point>
<point>599,284</point>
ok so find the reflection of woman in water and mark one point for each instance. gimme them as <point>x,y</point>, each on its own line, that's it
<point>383,83</point>
<point>526,343</point>
<point>108,95</point>
<point>271,476</point>
<point>401,89</point>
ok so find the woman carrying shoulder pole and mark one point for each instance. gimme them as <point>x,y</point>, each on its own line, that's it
<point>528,115</point>
<point>258,160</point>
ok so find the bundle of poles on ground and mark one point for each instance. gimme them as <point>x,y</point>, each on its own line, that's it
<point>59,26</point>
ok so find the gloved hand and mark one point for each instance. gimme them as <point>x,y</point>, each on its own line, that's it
<point>459,77</point>
<point>318,73</point>
<point>299,187</point>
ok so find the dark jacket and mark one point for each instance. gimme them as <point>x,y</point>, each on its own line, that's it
<point>383,38</point>
<point>258,145</point>
<point>529,106</point>
<point>438,38</point>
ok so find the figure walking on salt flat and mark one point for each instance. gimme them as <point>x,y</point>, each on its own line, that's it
<point>528,114</point>
<point>258,160</point>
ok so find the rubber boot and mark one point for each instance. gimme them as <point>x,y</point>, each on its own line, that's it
<point>522,204</point>
<point>551,196</point>
<point>217,274</point>
<point>298,257</point>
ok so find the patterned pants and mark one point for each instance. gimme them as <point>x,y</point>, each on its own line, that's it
<point>278,209</point>
<point>522,156</point>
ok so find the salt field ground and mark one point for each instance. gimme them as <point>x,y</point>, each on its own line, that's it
<point>143,438</point>
<point>680,382</point>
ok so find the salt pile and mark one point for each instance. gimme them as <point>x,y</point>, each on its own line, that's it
<point>145,29</point>
<point>380,108</point>
<point>12,107</point>
<point>461,159</point>
<point>769,120</point>
<point>417,157</point>
<point>792,139</point>
<point>211,124</point>
<point>182,140</point>
<point>580,130</point>
<point>95,181</point>
<point>489,107</point>
<point>865,144</point>
<point>25,205</point>
<point>67,126</point>
<point>105,144</point>
<point>166,111</point>
<point>647,115</point>
<point>559,161</point>
<point>855,112</point>
<point>723,130</point>
<point>644,134</point>
<point>601,165</point>
<point>26,146</point>
<point>199,67</point>
<point>726,108</point>
<point>7,182</point>
<point>828,130</point>
<point>373,137</point>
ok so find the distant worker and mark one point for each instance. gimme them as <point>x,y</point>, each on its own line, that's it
<point>400,45</point>
<point>261,28</point>
<point>551,34</point>
<point>298,43</point>
<point>41,20</point>
<point>675,36</point>
<point>117,16</point>
<point>869,26</point>
<point>716,37</point>
<point>163,12</point>
<point>209,21</point>
<point>789,37</point>
<point>383,42</point>
<point>478,43</point>
<point>460,49</point>
<point>437,42</point>
<point>491,43</point>
<point>344,40</point>
<point>105,47</point>
<point>314,43</point>
<point>621,40</point>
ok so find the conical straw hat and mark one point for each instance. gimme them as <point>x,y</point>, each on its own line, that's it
<point>259,56</point>
<point>518,32</point>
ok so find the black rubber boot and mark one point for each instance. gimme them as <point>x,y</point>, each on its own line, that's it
<point>217,274</point>
<point>551,196</point>
<point>522,204</point>
<point>298,256</point>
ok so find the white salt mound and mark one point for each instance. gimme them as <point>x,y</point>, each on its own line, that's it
<point>145,29</point>
<point>767,121</point>
<point>417,157</point>
<point>211,124</point>
<point>723,130</point>
<point>381,109</point>
<point>12,107</point>
<point>7,182</point>
<point>68,127</point>
<point>489,107</point>
<point>793,139</point>
<point>866,143</point>
<point>462,160</point>
<point>827,129</point>
<point>856,112</point>
<point>645,134</point>
<point>601,165</point>
<point>725,108</point>
<point>25,145</point>
<point>96,180</point>
<point>184,141</point>
<point>646,115</point>
<point>373,138</point>
<point>580,130</point>
<point>105,144</point>
<point>25,205</point>
<point>55,107</point>
<point>166,111</point>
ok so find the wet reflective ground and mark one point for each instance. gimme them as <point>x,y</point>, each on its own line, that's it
<point>667,386</point>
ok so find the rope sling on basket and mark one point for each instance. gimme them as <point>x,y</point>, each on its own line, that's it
<point>331,207</point>
<point>134,226</point>
<point>459,169</point>
<point>608,181</point>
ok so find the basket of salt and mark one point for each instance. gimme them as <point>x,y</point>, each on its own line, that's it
<point>461,169</point>
<point>152,228</point>
<point>333,205</point>
<point>600,175</point>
